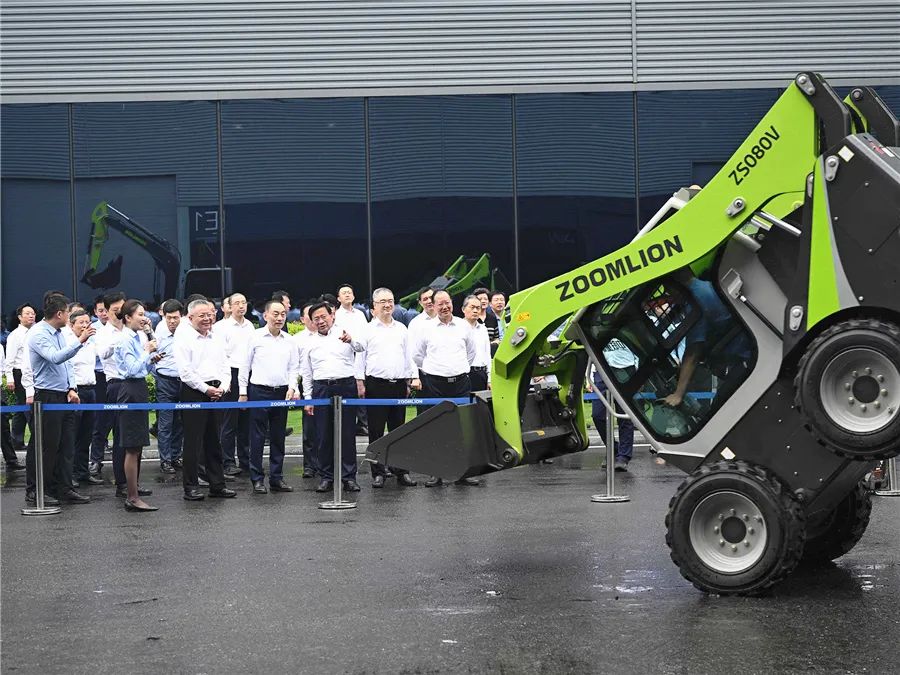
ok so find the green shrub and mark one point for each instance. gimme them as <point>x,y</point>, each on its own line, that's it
<point>151,387</point>
<point>295,327</point>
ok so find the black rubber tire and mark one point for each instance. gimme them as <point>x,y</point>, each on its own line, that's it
<point>841,530</point>
<point>785,521</point>
<point>879,335</point>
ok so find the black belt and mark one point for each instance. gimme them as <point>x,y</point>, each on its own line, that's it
<point>113,381</point>
<point>267,387</point>
<point>449,380</point>
<point>168,377</point>
<point>85,386</point>
<point>478,369</point>
<point>339,380</point>
<point>385,379</point>
<point>214,383</point>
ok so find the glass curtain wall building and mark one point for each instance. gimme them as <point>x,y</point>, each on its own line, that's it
<point>305,194</point>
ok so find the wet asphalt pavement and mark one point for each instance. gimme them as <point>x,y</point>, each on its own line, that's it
<point>520,575</point>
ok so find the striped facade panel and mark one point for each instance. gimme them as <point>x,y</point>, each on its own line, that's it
<point>730,41</point>
<point>72,50</point>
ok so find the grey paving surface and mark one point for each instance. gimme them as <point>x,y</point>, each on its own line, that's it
<point>521,575</point>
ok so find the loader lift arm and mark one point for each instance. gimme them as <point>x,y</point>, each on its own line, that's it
<point>167,258</point>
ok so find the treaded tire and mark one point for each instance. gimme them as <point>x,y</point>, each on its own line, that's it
<point>783,520</point>
<point>863,334</point>
<point>842,529</point>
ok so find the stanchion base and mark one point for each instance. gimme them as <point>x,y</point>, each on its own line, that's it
<point>46,511</point>
<point>610,499</point>
<point>337,506</point>
<point>888,493</point>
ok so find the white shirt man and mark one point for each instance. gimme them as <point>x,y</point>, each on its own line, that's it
<point>385,369</point>
<point>15,348</point>
<point>236,332</point>
<point>347,316</point>
<point>269,373</point>
<point>480,373</point>
<point>327,368</point>
<point>206,376</point>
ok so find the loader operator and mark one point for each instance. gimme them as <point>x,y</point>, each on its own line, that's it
<point>716,339</point>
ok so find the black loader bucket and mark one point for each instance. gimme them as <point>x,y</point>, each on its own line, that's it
<point>458,441</point>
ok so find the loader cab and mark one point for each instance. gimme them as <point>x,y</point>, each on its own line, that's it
<point>676,328</point>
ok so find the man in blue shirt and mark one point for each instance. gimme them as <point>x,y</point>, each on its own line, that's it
<point>168,388</point>
<point>54,382</point>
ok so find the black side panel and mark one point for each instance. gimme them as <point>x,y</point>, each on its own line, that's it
<point>772,434</point>
<point>864,199</point>
<point>880,120</point>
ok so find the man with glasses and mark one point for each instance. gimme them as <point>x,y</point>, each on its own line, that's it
<point>385,369</point>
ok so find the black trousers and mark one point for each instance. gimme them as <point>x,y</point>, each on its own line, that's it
<point>84,431</point>
<point>235,436</point>
<point>379,416</point>
<point>434,386</point>
<point>58,428</point>
<point>325,429</point>
<point>201,439</point>
<point>478,378</point>
<point>262,419</point>
<point>19,420</point>
<point>6,441</point>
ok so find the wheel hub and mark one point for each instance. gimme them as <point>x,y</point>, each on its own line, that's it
<point>860,390</point>
<point>728,532</point>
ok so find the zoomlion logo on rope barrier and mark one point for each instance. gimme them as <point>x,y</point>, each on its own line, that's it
<point>620,267</point>
<point>115,406</point>
<point>187,406</point>
<point>409,401</point>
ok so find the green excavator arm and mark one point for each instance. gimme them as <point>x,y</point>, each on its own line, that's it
<point>763,183</point>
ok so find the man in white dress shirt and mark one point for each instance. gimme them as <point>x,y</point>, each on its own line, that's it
<point>205,377</point>
<point>75,468</point>
<point>310,468</point>
<point>385,369</point>
<point>480,372</point>
<point>16,353</point>
<point>168,388</point>
<point>444,352</point>
<point>269,373</point>
<point>353,321</point>
<point>9,452</point>
<point>236,331</point>
<point>328,369</point>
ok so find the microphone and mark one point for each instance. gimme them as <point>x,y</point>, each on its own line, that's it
<point>149,332</point>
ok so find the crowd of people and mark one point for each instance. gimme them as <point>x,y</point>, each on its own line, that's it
<point>198,353</point>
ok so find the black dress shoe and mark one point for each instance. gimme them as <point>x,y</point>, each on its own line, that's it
<point>280,486</point>
<point>166,467</point>
<point>94,480</point>
<point>223,493</point>
<point>73,497</point>
<point>351,486</point>
<point>325,486</point>
<point>74,484</point>
<point>467,481</point>
<point>131,506</point>
<point>308,473</point>
<point>288,431</point>
<point>405,480</point>
<point>14,467</point>
<point>259,487</point>
<point>193,495</point>
<point>378,481</point>
<point>95,468</point>
<point>434,481</point>
<point>202,482</point>
<point>233,471</point>
<point>177,463</point>
<point>31,498</point>
<point>230,479</point>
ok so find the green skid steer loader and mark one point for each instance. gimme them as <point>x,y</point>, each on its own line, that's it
<point>763,313</point>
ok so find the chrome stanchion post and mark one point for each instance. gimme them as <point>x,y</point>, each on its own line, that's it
<point>37,416</point>
<point>894,485</point>
<point>610,495</point>
<point>337,502</point>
